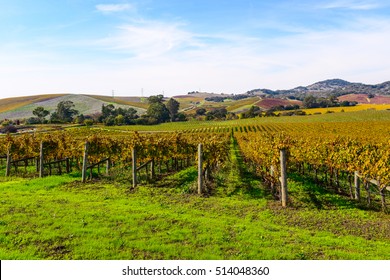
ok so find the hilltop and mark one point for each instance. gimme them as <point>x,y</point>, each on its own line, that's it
<point>265,99</point>
<point>329,87</point>
<point>22,107</point>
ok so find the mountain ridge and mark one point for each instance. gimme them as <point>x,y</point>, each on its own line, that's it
<point>329,87</point>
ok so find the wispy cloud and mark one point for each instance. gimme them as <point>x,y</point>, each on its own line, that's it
<point>351,5</point>
<point>111,8</point>
<point>149,39</point>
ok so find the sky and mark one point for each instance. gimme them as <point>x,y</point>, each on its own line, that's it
<point>172,47</point>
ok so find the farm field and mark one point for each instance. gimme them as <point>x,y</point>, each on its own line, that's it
<point>359,107</point>
<point>353,116</point>
<point>237,216</point>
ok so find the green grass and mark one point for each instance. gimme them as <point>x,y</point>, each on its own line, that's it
<point>60,218</point>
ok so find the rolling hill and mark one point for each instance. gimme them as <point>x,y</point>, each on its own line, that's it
<point>329,87</point>
<point>22,107</point>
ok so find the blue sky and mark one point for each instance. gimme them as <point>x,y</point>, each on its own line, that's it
<point>173,46</point>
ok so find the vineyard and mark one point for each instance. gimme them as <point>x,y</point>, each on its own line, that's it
<point>84,150</point>
<point>274,166</point>
<point>328,150</point>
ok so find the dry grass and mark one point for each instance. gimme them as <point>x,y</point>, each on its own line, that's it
<point>12,103</point>
<point>119,100</point>
<point>238,105</point>
<point>360,107</point>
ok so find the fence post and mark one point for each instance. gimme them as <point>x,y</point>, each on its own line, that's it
<point>134,166</point>
<point>357,185</point>
<point>85,163</point>
<point>8,166</point>
<point>152,169</point>
<point>200,169</point>
<point>283,176</point>
<point>67,165</point>
<point>383,197</point>
<point>108,165</point>
<point>272,173</point>
<point>41,160</point>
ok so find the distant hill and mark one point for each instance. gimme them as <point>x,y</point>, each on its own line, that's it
<point>326,88</point>
<point>8,104</point>
<point>22,107</point>
<point>365,98</point>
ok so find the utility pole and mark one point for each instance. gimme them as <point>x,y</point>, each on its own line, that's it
<point>113,94</point>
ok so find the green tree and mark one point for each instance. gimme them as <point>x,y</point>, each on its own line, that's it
<point>40,113</point>
<point>119,120</point>
<point>157,111</point>
<point>65,112</point>
<point>173,108</point>
<point>310,102</point>
<point>107,111</point>
<point>79,119</point>
<point>200,111</point>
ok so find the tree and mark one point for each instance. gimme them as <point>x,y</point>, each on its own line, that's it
<point>157,111</point>
<point>79,119</point>
<point>88,122</point>
<point>200,111</point>
<point>107,111</point>
<point>156,99</point>
<point>310,102</point>
<point>218,113</point>
<point>181,117</point>
<point>64,112</point>
<point>173,108</point>
<point>41,113</point>
<point>119,120</point>
<point>253,112</point>
<point>119,115</point>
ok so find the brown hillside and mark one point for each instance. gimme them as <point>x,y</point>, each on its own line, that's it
<point>131,101</point>
<point>11,103</point>
<point>268,103</point>
<point>363,99</point>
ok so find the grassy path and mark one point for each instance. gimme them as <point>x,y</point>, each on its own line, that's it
<point>239,179</point>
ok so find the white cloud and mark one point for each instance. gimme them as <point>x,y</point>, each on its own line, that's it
<point>110,8</point>
<point>149,39</point>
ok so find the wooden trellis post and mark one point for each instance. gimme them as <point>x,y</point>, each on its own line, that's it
<point>283,177</point>
<point>108,166</point>
<point>200,168</point>
<point>134,166</point>
<point>41,160</point>
<point>85,163</point>
<point>357,185</point>
<point>8,166</point>
<point>152,169</point>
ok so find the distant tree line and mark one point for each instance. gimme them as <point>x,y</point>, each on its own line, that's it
<point>230,97</point>
<point>157,112</point>
<point>311,101</point>
<point>64,113</point>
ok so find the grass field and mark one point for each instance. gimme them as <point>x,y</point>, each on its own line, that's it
<point>360,107</point>
<point>13,103</point>
<point>364,116</point>
<point>59,217</point>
